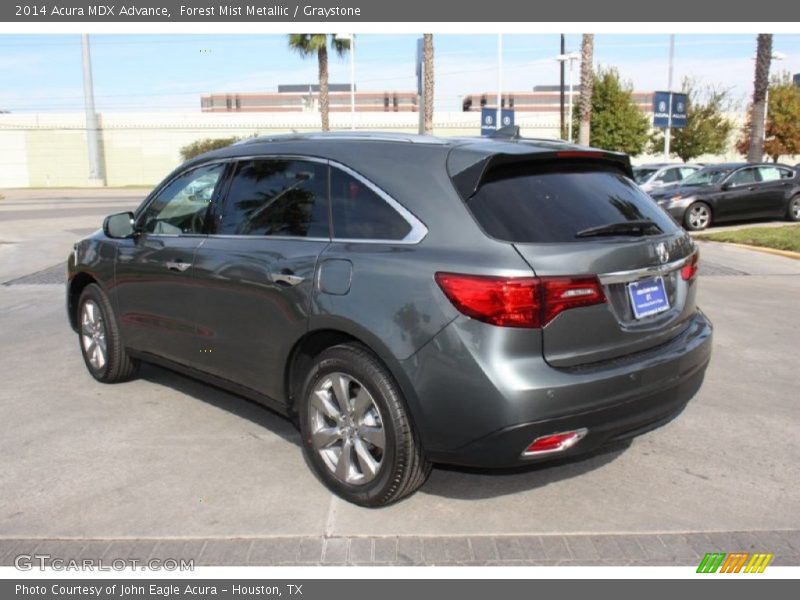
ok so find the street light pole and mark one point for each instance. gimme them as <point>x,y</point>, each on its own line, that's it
<point>499,116</point>
<point>668,131</point>
<point>92,130</point>
<point>571,57</point>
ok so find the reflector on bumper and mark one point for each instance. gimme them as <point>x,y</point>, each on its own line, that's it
<point>556,442</point>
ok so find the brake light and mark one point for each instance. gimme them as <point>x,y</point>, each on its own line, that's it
<point>579,154</point>
<point>689,271</point>
<point>529,302</point>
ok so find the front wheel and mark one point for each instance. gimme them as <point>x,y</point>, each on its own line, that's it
<point>697,216</point>
<point>101,345</point>
<point>356,432</point>
<point>793,212</point>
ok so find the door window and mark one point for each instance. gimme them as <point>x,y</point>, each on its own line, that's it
<point>744,177</point>
<point>277,198</point>
<point>686,171</point>
<point>182,206</point>
<point>668,176</point>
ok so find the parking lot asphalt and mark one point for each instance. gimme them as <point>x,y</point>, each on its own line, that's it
<point>164,460</point>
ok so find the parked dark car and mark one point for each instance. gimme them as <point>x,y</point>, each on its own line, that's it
<point>733,192</point>
<point>406,300</point>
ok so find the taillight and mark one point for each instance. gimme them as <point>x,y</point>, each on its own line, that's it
<point>689,271</point>
<point>563,293</point>
<point>529,302</point>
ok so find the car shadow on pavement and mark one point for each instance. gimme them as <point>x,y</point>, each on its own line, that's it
<point>446,481</point>
<point>224,400</point>
<point>463,483</point>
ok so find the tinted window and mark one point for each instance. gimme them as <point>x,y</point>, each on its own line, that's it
<point>708,176</point>
<point>743,177</point>
<point>182,206</point>
<point>359,213</point>
<point>277,197</point>
<point>530,204</point>
<point>642,175</point>
<point>668,176</point>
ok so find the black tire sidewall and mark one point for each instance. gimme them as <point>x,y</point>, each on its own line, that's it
<point>344,360</point>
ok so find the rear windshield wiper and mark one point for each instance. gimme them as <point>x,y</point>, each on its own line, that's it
<point>638,227</point>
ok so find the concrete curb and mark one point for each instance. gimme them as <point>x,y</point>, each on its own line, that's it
<point>628,549</point>
<point>773,251</point>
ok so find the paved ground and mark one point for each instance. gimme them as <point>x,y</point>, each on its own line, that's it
<point>165,465</point>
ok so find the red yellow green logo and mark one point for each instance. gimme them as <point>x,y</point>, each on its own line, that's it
<point>736,562</point>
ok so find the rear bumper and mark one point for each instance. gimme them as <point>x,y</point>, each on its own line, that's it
<point>492,407</point>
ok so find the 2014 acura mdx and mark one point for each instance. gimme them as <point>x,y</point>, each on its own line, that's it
<point>406,300</point>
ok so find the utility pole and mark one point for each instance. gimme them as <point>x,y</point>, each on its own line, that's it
<point>561,94</point>
<point>668,131</point>
<point>499,117</point>
<point>96,176</point>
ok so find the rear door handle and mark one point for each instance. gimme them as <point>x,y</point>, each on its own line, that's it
<point>177,265</point>
<point>287,278</point>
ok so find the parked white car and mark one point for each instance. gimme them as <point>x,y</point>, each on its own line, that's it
<point>655,176</point>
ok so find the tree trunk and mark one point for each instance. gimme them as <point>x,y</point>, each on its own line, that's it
<point>427,60</point>
<point>755,152</point>
<point>587,82</point>
<point>324,105</point>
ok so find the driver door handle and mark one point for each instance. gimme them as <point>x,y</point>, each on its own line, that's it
<point>177,265</point>
<point>287,278</point>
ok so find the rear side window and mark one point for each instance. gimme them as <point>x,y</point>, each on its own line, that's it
<point>538,204</point>
<point>277,197</point>
<point>361,214</point>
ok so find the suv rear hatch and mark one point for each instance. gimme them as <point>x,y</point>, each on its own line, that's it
<point>587,230</point>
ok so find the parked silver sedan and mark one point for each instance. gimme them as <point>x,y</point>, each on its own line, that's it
<point>655,176</point>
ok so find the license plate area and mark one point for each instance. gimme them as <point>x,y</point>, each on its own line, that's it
<point>648,297</point>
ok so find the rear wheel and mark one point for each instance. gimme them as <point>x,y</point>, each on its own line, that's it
<point>697,216</point>
<point>793,212</point>
<point>356,431</point>
<point>101,346</point>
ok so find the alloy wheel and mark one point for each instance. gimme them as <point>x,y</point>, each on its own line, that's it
<point>93,335</point>
<point>347,429</point>
<point>699,217</point>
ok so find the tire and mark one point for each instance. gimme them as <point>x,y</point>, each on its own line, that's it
<point>697,217</point>
<point>793,210</point>
<point>375,416</point>
<point>99,339</point>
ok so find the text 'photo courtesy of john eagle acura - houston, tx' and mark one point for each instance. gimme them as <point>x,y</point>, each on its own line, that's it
<point>405,300</point>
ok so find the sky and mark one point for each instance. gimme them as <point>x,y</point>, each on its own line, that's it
<point>132,73</point>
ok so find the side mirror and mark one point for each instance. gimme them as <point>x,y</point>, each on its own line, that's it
<point>119,226</point>
<point>727,186</point>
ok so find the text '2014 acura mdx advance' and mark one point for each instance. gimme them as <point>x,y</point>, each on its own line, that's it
<point>406,300</point>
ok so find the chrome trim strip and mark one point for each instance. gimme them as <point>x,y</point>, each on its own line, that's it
<point>634,274</point>
<point>415,236</point>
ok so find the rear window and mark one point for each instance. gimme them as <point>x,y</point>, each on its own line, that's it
<point>534,204</point>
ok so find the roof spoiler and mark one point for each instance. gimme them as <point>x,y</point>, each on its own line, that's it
<point>468,171</point>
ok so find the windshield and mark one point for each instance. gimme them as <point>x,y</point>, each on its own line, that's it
<point>642,174</point>
<point>709,176</point>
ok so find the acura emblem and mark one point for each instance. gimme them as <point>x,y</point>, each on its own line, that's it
<point>662,252</point>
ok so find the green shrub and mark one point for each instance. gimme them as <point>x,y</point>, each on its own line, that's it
<point>206,145</point>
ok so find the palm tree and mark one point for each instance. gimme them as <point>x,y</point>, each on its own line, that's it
<point>308,44</point>
<point>587,81</point>
<point>427,59</point>
<point>755,152</point>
